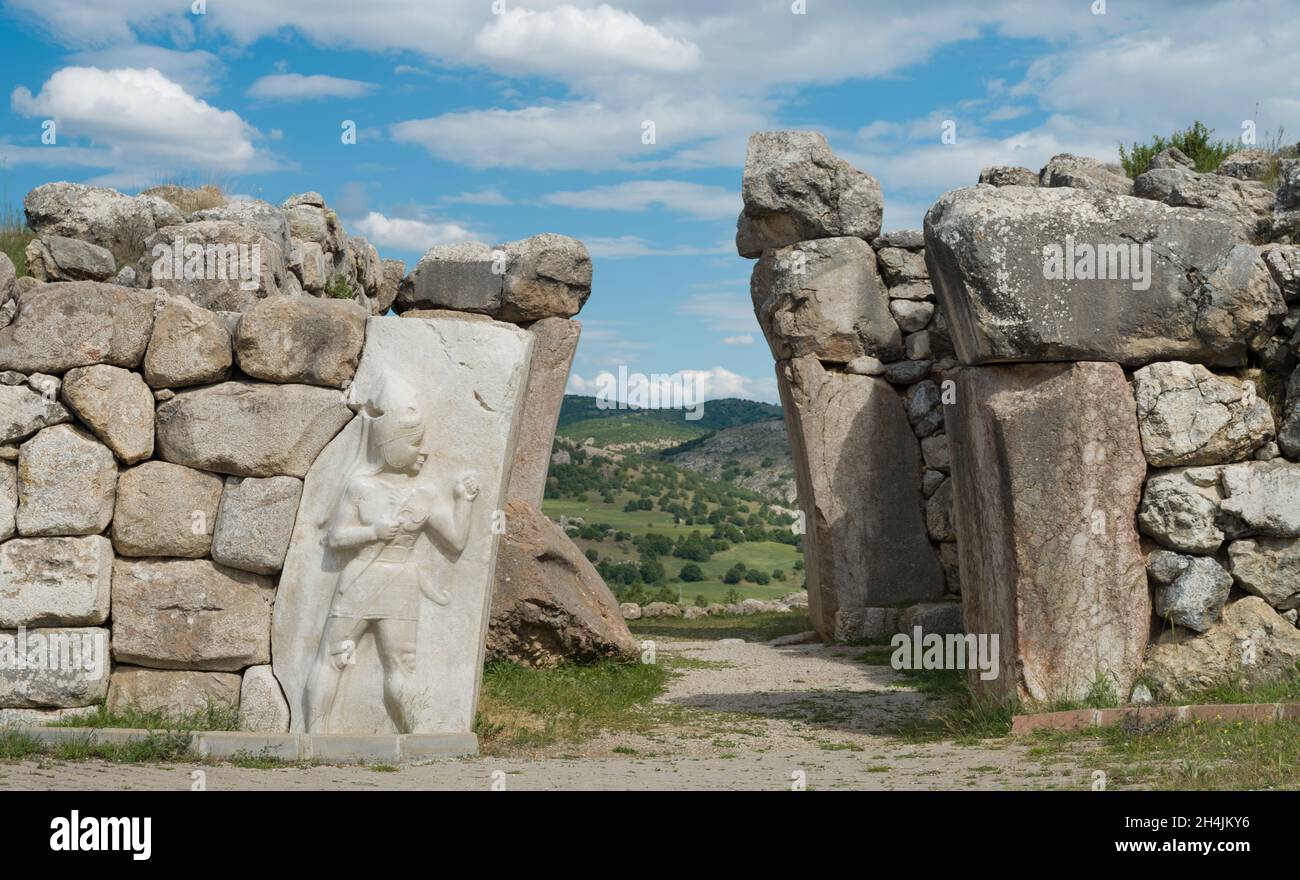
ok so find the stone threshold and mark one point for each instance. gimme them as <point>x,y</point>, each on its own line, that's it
<point>333,748</point>
<point>1081,719</point>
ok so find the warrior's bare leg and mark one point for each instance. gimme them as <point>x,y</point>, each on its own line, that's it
<point>337,650</point>
<point>395,640</point>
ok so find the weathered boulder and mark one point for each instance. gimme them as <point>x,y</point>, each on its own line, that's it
<point>1170,157</point>
<point>311,220</point>
<point>369,268</point>
<point>255,522</point>
<point>630,610</point>
<point>1263,497</point>
<point>555,341</point>
<point>1246,165</point>
<point>8,280</point>
<point>262,707</point>
<point>1065,274</point>
<point>796,189</point>
<point>1190,590</point>
<point>549,605</point>
<point>301,339</point>
<point>265,430</point>
<point>55,581</point>
<point>1008,175</point>
<point>64,667</point>
<point>1180,509</point>
<point>924,402</point>
<point>24,411</point>
<point>164,509</point>
<point>216,264</point>
<point>547,276</point>
<point>824,299</point>
<point>1283,262</point>
<point>1081,172</point>
<point>56,258</point>
<point>1189,416</point>
<point>173,694</point>
<point>1268,568</point>
<point>190,614</point>
<point>1047,468</point>
<point>865,541</point>
<point>900,266</point>
<point>939,513</point>
<point>77,324</point>
<point>66,483</point>
<point>253,213</point>
<point>394,272</point>
<point>1251,645</point>
<point>101,216</point>
<point>911,315</point>
<point>1247,204</point>
<point>116,405</point>
<point>190,346</point>
<point>908,239</point>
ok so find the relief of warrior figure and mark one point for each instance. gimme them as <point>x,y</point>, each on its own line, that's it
<point>383,508</point>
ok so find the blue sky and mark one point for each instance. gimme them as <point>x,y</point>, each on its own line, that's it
<point>494,121</point>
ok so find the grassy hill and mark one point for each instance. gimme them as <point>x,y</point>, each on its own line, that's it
<point>642,521</point>
<point>581,418</point>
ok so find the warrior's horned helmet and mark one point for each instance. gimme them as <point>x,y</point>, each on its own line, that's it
<point>395,413</point>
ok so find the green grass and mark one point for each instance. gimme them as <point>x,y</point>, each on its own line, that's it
<point>522,707</point>
<point>751,628</point>
<point>14,236</point>
<point>1238,756</point>
<point>214,717</point>
<point>155,746</point>
<point>762,555</point>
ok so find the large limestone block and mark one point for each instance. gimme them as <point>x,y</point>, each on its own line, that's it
<point>262,707</point>
<point>1268,568</point>
<point>76,324</point>
<point>164,509</point>
<point>216,264</point>
<point>190,346</point>
<point>62,667</point>
<point>66,483</point>
<point>116,405</point>
<point>255,522</point>
<point>55,581</point>
<point>174,694</point>
<point>1263,497</point>
<point>253,213</point>
<point>1190,591</point>
<point>796,189</point>
<point>24,411</point>
<point>394,272</point>
<point>1047,469</point>
<point>250,429</point>
<point>8,279</point>
<point>824,299</point>
<point>1189,416</point>
<point>97,214</point>
<point>8,500</point>
<point>1251,645</point>
<point>858,468</point>
<point>555,341</point>
<point>1180,509</point>
<point>1246,203</point>
<point>1197,293</point>
<point>57,258</point>
<point>1082,172</point>
<point>398,524</point>
<point>544,276</point>
<point>301,339</point>
<point>190,614</point>
<point>549,605</point>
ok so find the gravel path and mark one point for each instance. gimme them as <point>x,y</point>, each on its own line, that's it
<point>754,717</point>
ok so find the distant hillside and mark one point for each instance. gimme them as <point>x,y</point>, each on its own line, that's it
<point>647,430</point>
<point>754,456</point>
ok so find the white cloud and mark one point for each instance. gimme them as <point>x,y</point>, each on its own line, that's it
<point>142,119</point>
<point>693,199</point>
<point>743,339</point>
<point>296,87</point>
<point>571,40</point>
<point>197,71</point>
<point>404,234</point>
<point>682,387</point>
<point>491,197</point>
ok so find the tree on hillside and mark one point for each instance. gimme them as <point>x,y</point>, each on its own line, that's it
<point>1195,142</point>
